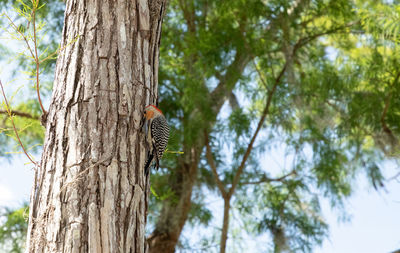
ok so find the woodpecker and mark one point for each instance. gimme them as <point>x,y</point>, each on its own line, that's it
<point>157,134</point>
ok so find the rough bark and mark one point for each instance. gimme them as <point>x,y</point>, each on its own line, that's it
<point>90,192</point>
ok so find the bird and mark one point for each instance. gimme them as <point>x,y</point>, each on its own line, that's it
<point>157,134</point>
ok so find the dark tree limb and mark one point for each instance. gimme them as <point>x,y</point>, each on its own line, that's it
<point>20,114</point>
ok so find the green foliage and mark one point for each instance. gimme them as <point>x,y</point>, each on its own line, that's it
<point>29,129</point>
<point>199,214</point>
<point>13,229</point>
<point>16,23</point>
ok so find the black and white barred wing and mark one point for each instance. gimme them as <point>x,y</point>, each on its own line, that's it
<point>160,134</point>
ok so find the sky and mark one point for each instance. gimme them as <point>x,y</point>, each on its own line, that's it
<point>374,225</point>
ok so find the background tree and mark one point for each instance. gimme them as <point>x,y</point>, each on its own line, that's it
<point>273,60</point>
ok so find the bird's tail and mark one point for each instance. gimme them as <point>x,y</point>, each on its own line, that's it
<point>148,163</point>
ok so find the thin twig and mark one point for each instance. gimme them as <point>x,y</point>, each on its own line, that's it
<point>60,49</point>
<point>395,177</point>
<point>33,54</point>
<point>35,4</point>
<point>22,35</point>
<point>13,124</point>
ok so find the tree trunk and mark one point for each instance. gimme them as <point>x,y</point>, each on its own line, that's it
<point>174,215</point>
<point>90,192</point>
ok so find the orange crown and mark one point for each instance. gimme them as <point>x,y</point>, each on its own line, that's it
<point>154,108</point>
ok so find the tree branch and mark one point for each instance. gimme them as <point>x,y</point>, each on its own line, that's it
<point>20,114</point>
<point>260,123</point>
<point>189,14</point>
<point>211,162</point>
<point>233,102</point>
<point>227,81</point>
<point>37,61</point>
<point>395,177</point>
<point>302,41</point>
<point>265,179</point>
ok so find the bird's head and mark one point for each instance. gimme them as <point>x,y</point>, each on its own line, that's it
<point>151,112</point>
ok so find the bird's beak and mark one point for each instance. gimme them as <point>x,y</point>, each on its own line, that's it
<point>142,121</point>
<point>145,126</point>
